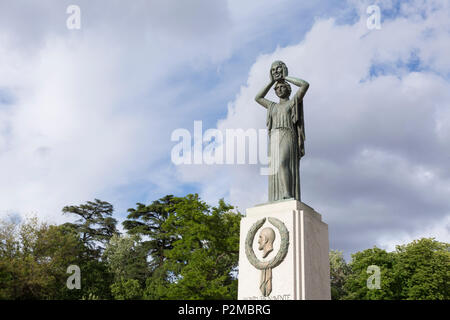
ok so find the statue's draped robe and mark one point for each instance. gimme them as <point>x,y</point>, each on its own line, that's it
<point>286,128</point>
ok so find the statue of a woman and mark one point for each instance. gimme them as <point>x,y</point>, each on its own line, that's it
<point>286,128</point>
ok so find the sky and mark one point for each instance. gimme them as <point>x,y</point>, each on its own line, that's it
<point>89,113</point>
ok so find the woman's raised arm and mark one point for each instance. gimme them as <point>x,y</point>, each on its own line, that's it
<point>299,83</point>
<point>260,96</point>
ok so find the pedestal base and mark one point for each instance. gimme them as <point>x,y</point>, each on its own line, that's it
<point>304,273</point>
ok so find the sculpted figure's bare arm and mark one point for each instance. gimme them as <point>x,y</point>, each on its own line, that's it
<point>302,84</point>
<point>260,96</point>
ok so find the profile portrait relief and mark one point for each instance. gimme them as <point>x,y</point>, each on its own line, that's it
<point>265,241</point>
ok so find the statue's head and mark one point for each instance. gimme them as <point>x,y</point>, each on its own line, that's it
<point>282,89</point>
<point>278,70</point>
<point>265,241</point>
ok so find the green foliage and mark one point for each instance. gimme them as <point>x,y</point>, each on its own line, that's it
<point>423,270</point>
<point>96,279</point>
<point>147,222</point>
<point>33,260</point>
<point>182,248</point>
<point>339,272</point>
<point>202,262</point>
<point>126,258</point>
<point>356,285</point>
<point>126,290</point>
<point>418,270</point>
<point>95,224</point>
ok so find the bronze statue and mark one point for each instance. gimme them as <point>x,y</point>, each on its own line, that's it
<point>286,128</point>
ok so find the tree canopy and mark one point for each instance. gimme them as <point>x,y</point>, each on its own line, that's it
<point>419,270</point>
<point>184,248</point>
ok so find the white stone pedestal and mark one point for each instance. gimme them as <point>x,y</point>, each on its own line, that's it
<point>304,274</point>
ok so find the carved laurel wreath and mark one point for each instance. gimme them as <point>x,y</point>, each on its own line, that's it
<point>284,233</point>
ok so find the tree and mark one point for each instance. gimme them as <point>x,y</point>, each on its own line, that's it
<point>127,290</point>
<point>95,227</point>
<point>95,224</point>
<point>34,258</point>
<point>55,249</point>
<point>96,279</point>
<point>126,258</point>
<point>339,273</point>
<point>9,249</point>
<point>356,285</point>
<point>147,222</point>
<point>418,270</point>
<point>423,270</point>
<point>202,263</point>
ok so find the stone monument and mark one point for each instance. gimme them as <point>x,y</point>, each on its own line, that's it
<point>291,257</point>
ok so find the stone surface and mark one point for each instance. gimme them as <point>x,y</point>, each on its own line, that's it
<point>304,273</point>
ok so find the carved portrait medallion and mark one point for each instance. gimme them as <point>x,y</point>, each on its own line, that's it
<point>265,242</point>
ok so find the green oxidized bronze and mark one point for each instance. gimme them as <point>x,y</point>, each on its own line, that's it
<point>286,129</point>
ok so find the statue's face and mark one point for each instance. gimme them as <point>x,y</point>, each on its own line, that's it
<point>277,71</point>
<point>261,242</point>
<point>282,90</point>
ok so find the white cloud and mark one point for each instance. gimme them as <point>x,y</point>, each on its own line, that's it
<point>439,230</point>
<point>92,110</point>
<point>64,127</point>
